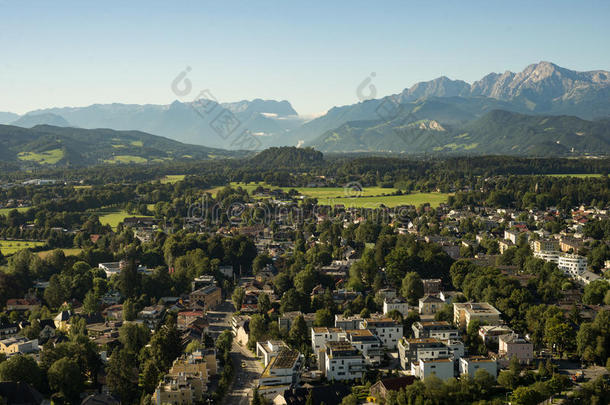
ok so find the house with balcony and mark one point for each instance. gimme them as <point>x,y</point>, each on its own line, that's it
<point>441,330</point>
<point>368,343</point>
<point>343,361</point>
<point>282,373</point>
<point>410,351</point>
<point>269,349</point>
<point>388,330</point>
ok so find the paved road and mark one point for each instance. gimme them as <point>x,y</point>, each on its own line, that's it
<point>245,378</point>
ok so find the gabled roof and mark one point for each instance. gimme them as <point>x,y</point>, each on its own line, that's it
<point>394,384</point>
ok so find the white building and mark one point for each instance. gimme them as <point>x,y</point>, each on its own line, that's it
<point>572,265</point>
<point>368,343</point>
<point>282,372</point>
<point>548,256</point>
<point>268,350</point>
<point>343,361</point>
<point>442,368</point>
<point>470,365</point>
<point>388,330</point>
<point>456,348</point>
<point>321,335</point>
<point>395,304</point>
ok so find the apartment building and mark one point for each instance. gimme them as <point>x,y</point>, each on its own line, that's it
<point>412,350</point>
<point>470,365</point>
<point>367,343</point>
<point>343,361</point>
<point>388,330</point>
<point>441,330</point>
<point>465,312</point>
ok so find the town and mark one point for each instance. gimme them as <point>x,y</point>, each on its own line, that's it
<point>299,286</point>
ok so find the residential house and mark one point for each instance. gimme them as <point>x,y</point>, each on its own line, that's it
<point>395,304</point>
<point>206,298</point>
<point>388,330</point>
<point>435,329</point>
<point>18,344</point>
<point>464,312</point>
<point>441,368</point>
<point>412,350</point>
<point>430,305</point>
<point>343,361</point>
<point>491,333</point>
<point>470,365</point>
<point>511,345</point>
<point>381,388</point>
<point>347,322</point>
<point>282,372</point>
<point>368,343</point>
<point>269,349</point>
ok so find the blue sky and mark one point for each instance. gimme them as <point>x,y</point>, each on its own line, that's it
<point>314,54</point>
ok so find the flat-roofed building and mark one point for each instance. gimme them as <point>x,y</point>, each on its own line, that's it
<point>387,329</point>
<point>411,350</point>
<point>435,329</point>
<point>491,333</point>
<point>465,312</point>
<point>282,372</point>
<point>321,335</point>
<point>470,365</point>
<point>368,343</point>
<point>441,368</point>
<point>347,322</point>
<point>343,361</point>
<point>269,349</point>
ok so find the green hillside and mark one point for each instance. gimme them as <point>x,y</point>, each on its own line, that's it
<point>46,145</point>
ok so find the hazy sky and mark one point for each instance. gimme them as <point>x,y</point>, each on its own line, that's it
<point>314,54</point>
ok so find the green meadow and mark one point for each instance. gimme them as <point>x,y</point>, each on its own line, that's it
<point>9,247</point>
<point>368,197</point>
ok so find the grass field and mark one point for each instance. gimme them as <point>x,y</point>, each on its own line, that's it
<point>113,217</point>
<point>578,175</point>
<point>172,178</point>
<point>126,159</point>
<point>67,252</point>
<point>369,197</point>
<point>5,211</point>
<point>49,157</point>
<point>8,247</point>
<point>434,199</point>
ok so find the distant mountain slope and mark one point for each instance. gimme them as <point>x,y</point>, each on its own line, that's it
<point>197,122</point>
<point>50,145</point>
<point>31,120</point>
<point>542,88</point>
<point>8,117</point>
<point>496,132</point>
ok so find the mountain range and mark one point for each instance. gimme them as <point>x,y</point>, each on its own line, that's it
<point>515,113</point>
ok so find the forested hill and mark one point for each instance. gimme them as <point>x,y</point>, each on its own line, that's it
<point>46,145</point>
<point>287,156</point>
